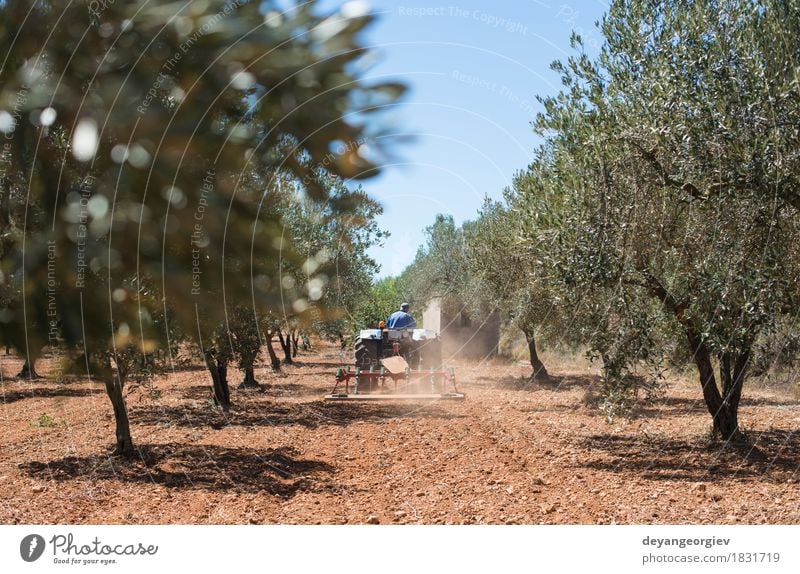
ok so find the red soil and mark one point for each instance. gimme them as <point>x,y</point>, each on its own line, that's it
<point>512,452</point>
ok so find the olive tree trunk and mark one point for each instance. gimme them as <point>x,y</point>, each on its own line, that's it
<point>722,406</point>
<point>249,381</point>
<point>539,370</point>
<point>218,367</point>
<point>274,361</point>
<point>124,442</point>
<point>286,345</point>
<point>28,370</point>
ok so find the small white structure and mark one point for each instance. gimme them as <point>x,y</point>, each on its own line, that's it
<point>461,334</point>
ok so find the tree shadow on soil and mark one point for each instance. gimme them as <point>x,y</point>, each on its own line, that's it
<point>679,406</point>
<point>288,390</point>
<point>279,472</point>
<point>263,413</point>
<point>57,390</point>
<point>201,392</point>
<point>670,407</point>
<point>323,365</point>
<point>552,383</point>
<point>772,456</point>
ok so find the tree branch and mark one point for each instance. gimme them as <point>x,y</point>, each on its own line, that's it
<point>666,179</point>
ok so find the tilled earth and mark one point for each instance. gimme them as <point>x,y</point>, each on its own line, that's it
<point>513,452</point>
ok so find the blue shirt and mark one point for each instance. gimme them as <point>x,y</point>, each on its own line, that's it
<point>401,320</point>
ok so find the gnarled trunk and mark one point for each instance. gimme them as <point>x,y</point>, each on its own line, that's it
<point>249,381</point>
<point>539,370</point>
<point>286,345</point>
<point>723,407</point>
<point>295,338</point>
<point>29,370</point>
<point>124,444</point>
<point>274,361</point>
<point>218,367</point>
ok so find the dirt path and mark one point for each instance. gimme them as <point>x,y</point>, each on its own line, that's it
<point>511,453</point>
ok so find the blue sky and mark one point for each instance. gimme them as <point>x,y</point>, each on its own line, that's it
<point>474,69</point>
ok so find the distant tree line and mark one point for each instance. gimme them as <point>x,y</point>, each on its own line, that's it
<point>659,217</point>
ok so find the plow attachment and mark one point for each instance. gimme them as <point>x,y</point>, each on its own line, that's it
<point>394,380</point>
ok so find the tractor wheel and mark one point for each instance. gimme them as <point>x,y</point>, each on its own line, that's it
<point>410,353</point>
<point>366,353</point>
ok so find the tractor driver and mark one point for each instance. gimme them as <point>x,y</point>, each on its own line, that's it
<point>401,319</point>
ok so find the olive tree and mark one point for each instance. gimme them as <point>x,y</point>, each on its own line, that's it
<point>131,125</point>
<point>675,152</point>
<point>335,271</point>
<point>508,274</point>
<point>439,268</point>
<point>382,301</point>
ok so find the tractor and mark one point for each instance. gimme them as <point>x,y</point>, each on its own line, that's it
<point>396,364</point>
<point>416,346</point>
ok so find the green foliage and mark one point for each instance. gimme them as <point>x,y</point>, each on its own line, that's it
<point>138,175</point>
<point>439,268</point>
<point>778,351</point>
<point>334,271</point>
<point>482,267</point>
<point>508,274</point>
<point>383,300</point>
<point>144,145</point>
<point>668,178</point>
<point>45,421</point>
